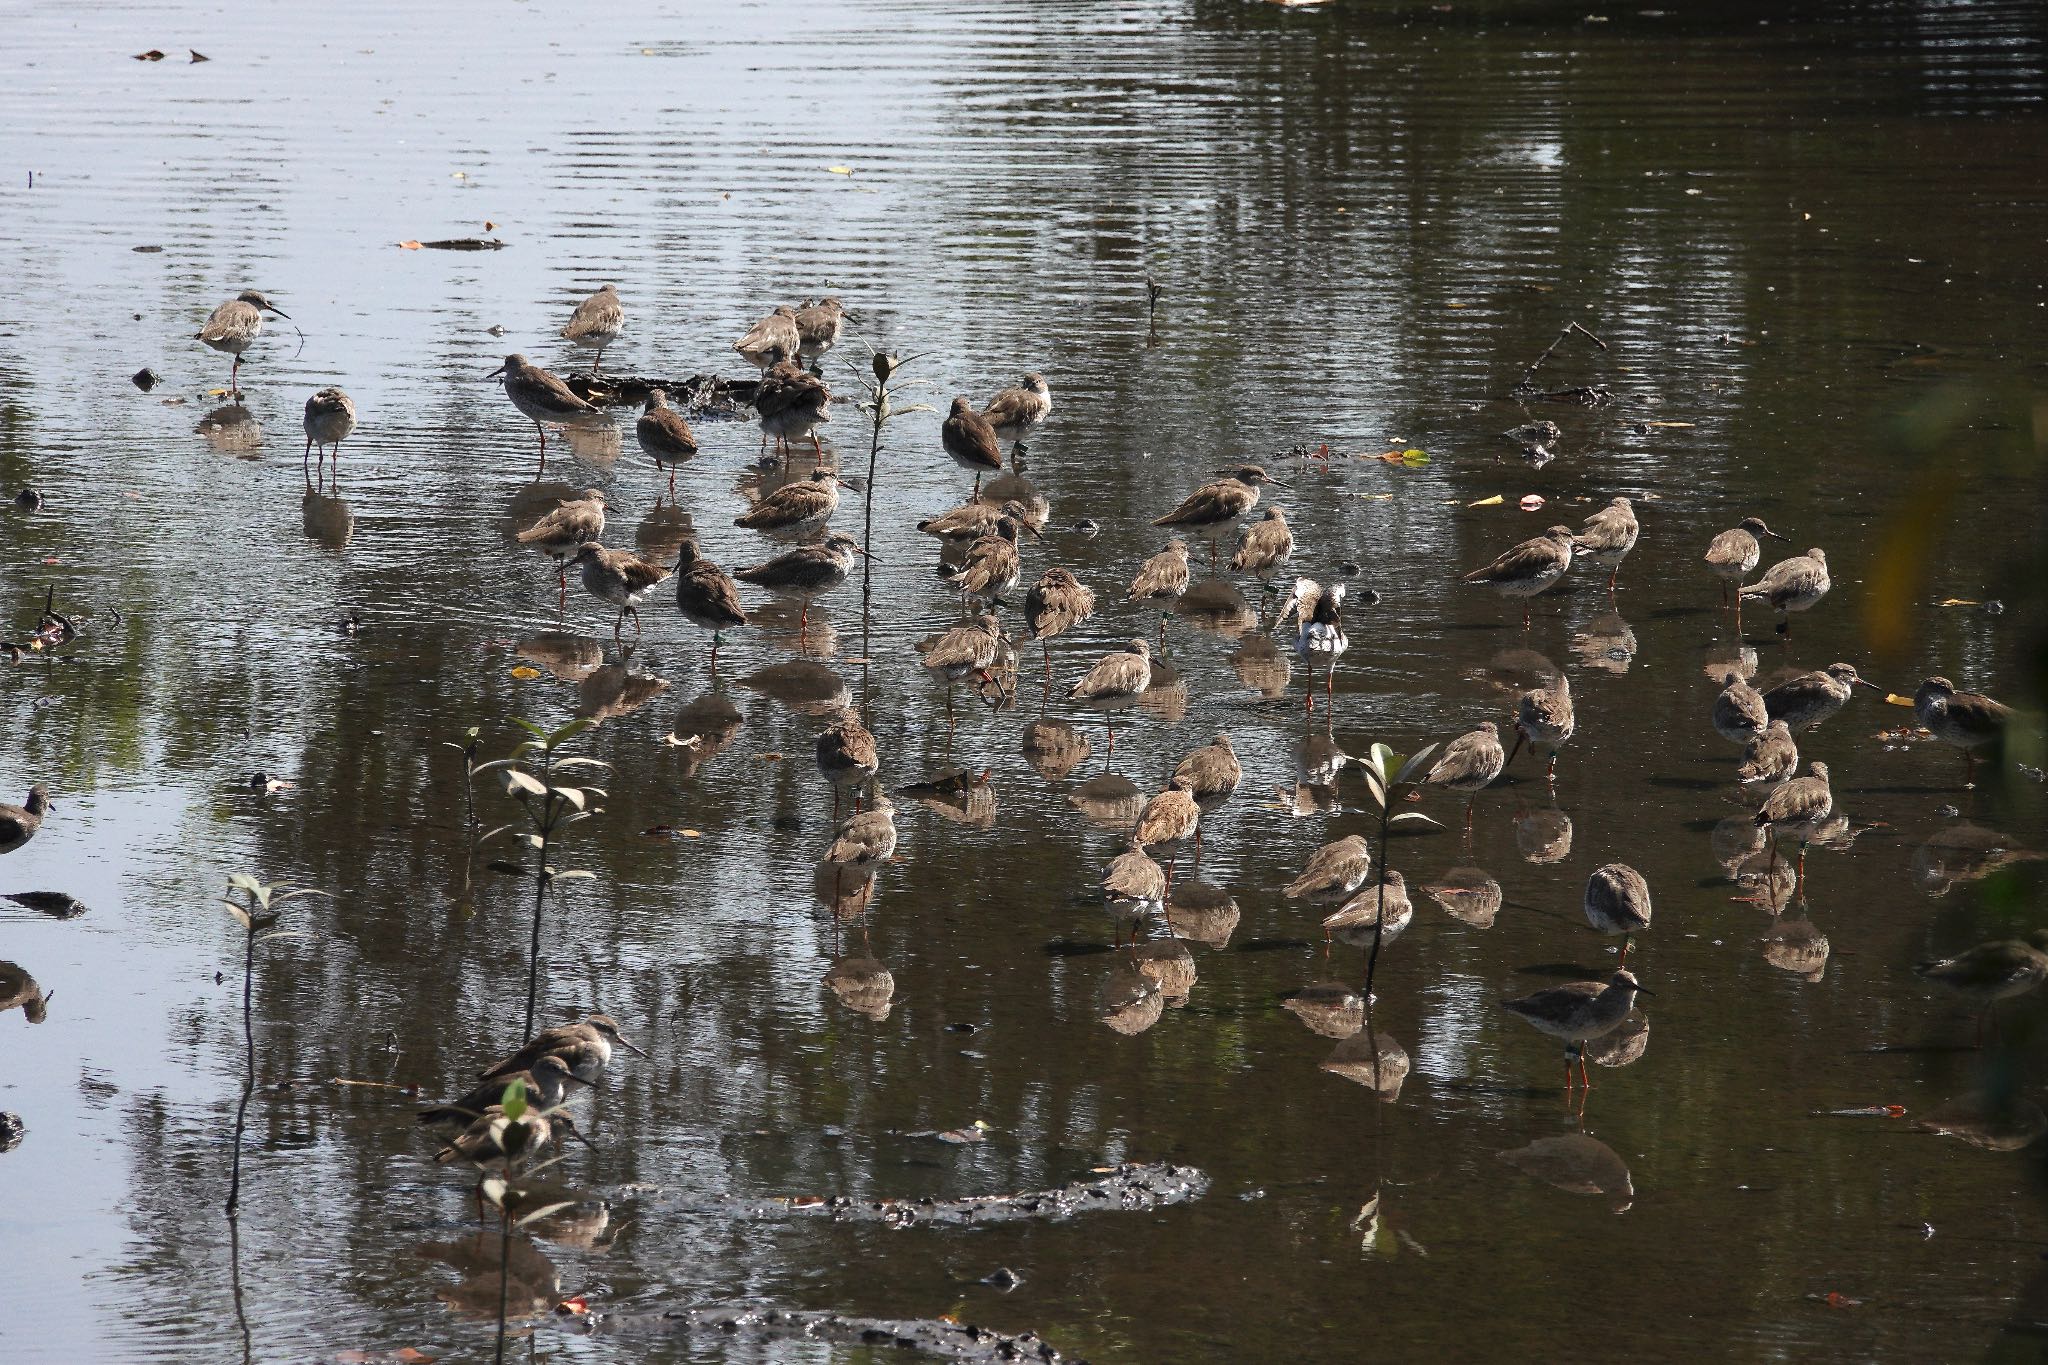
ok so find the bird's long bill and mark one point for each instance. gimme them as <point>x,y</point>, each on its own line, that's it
<point>1032,529</point>
<point>1865,682</point>
<point>621,1041</point>
<point>862,550</point>
<point>279,311</point>
<point>1643,990</point>
<point>574,1131</point>
<point>495,373</point>
<point>1775,536</point>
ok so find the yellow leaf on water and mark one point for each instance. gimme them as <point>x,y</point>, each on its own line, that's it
<point>1683,426</point>
<point>1896,700</point>
<point>1494,501</point>
<point>691,834</point>
<point>1958,602</point>
<point>216,393</point>
<point>523,672</point>
<point>839,170</point>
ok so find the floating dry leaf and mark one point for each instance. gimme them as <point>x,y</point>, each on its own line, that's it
<point>1531,502</point>
<point>408,246</point>
<point>839,170</point>
<point>523,672</point>
<point>1958,602</point>
<point>150,56</point>
<point>1494,501</point>
<point>202,57</point>
<point>1681,426</point>
<point>1896,700</point>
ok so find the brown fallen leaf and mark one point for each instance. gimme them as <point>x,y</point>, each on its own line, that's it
<point>150,56</point>
<point>523,672</point>
<point>202,57</point>
<point>489,226</point>
<point>574,1306</point>
<point>408,246</point>
<point>1958,602</point>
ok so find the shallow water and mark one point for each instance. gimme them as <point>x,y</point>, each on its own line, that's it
<point>1813,240</point>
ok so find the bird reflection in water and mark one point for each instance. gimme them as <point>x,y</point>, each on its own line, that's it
<point>1054,748</point>
<point>596,443</point>
<point>1168,965</point>
<point>1543,835</point>
<point>703,729</point>
<point>803,685</point>
<point>804,627</point>
<point>572,658</point>
<point>1996,1121</point>
<point>1129,1001</point>
<point>1203,913</point>
<point>863,985</point>
<point>1111,801</point>
<point>232,430</point>
<point>1798,947</point>
<point>532,1285</point>
<point>1606,643</point>
<point>614,690</point>
<point>1577,1163</point>
<point>1958,854</point>
<point>962,797</point>
<point>1469,895</point>
<point>1624,1045</point>
<point>1373,1059</point>
<point>1329,1009</point>
<point>327,521</point>
<point>1262,666</point>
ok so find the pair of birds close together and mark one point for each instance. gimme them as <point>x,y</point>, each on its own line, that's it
<point>551,1067</point>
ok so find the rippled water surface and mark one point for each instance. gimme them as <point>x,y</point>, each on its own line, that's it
<point>1811,238</point>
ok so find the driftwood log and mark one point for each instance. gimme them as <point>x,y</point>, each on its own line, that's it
<point>701,395</point>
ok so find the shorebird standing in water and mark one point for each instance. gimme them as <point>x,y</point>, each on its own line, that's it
<point>1056,603</point>
<point>796,509</point>
<point>1806,700</point>
<point>991,565</point>
<point>1318,613</point>
<point>1969,721</point>
<point>971,441</point>
<point>1799,808</point>
<point>807,572</point>
<point>18,824</point>
<point>772,339</point>
<point>1529,568</point>
<point>1161,579</point>
<point>1791,585</point>
<point>792,403</point>
<point>566,530</point>
<point>1013,414</point>
<point>1216,505</point>
<point>585,1048</point>
<point>1211,773</point>
<point>665,436</point>
<point>1578,1012</point>
<point>1470,764</point>
<point>541,396</point>
<point>818,327</point>
<point>234,326</point>
<point>706,595</point>
<point>966,651</point>
<point>1618,902</point>
<point>620,578</point>
<point>1116,681</point>
<point>1546,719</point>
<point>330,417</point>
<point>1735,553</point>
<point>846,755</point>
<point>597,322</point>
<point>1264,547</point>
<point>1739,711</point>
<point>1607,536</point>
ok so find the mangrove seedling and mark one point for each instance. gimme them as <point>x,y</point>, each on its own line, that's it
<point>254,905</point>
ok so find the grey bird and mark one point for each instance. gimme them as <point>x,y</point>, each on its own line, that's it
<point>1791,585</point>
<point>234,326</point>
<point>596,324</point>
<point>1806,700</point>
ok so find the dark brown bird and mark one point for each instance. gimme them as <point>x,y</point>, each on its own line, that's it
<point>493,1142</point>
<point>547,1082</point>
<point>1546,719</point>
<point>991,565</point>
<point>1799,808</point>
<point>567,529</point>
<point>806,572</point>
<point>1056,603</point>
<point>1805,701</point>
<point>1470,763</point>
<point>773,338</point>
<point>1219,503</point>
<point>1791,585</point>
<point>706,595</point>
<point>1171,817</point>
<point>1969,721</point>
<point>1264,547</point>
<point>1116,681</point>
<point>818,328</point>
<point>970,521</point>
<point>971,441</point>
<point>585,1048</point>
<point>18,824</point>
<point>1739,711</point>
<point>1212,772</point>
<point>1736,552</point>
<point>1607,536</point>
<point>1770,757</point>
<point>846,755</point>
<point>597,322</point>
<point>542,397</point>
<point>967,650</point>
<point>664,435</point>
<point>1529,568</point>
<point>1161,579</point>
<point>620,578</point>
<point>796,509</point>
<point>1015,413</point>
<point>792,403</point>
<point>1618,902</point>
<point>1334,871</point>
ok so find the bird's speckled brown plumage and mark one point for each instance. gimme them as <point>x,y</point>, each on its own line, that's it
<point>1334,871</point>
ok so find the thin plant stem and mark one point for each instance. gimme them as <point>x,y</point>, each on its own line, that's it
<point>867,529</point>
<point>235,1284</point>
<point>504,1271</point>
<point>540,891</point>
<point>248,1063</point>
